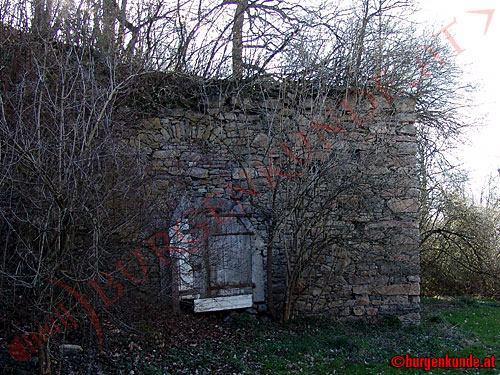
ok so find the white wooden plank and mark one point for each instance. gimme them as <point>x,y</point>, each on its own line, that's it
<point>190,296</point>
<point>186,274</point>
<point>223,303</point>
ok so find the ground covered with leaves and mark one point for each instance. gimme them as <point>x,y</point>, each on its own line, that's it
<point>243,344</point>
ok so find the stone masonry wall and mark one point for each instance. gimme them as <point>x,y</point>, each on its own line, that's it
<point>373,269</point>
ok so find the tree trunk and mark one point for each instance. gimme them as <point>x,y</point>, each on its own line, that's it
<point>108,24</point>
<point>42,10</point>
<point>121,29</point>
<point>269,272</point>
<point>361,41</point>
<point>44,361</point>
<point>287,306</point>
<point>239,17</point>
<point>176,283</point>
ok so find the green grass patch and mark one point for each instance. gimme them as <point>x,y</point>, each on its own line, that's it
<point>458,328</point>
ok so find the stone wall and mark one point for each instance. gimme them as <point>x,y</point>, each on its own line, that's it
<point>230,154</point>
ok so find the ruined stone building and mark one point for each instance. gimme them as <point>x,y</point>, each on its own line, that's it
<point>327,183</point>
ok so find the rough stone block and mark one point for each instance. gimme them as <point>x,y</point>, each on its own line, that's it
<point>361,289</point>
<point>362,300</point>
<point>316,291</point>
<point>371,311</point>
<point>358,310</point>
<point>261,141</point>
<point>408,129</point>
<point>414,289</point>
<point>414,279</point>
<point>397,300</point>
<point>197,172</point>
<point>409,148</point>
<point>391,290</point>
<point>403,205</point>
<point>405,105</point>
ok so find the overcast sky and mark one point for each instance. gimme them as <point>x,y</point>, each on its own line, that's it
<point>480,60</point>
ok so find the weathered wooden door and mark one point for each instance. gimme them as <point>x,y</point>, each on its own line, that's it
<point>230,258</point>
<point>227,272</point>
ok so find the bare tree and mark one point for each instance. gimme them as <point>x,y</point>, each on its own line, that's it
<point>460,243</point>
<point>238,39</point>
<point>69,180</point>
<point>403,67</point>
<point>42,16</point>
<point>64,105</point>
